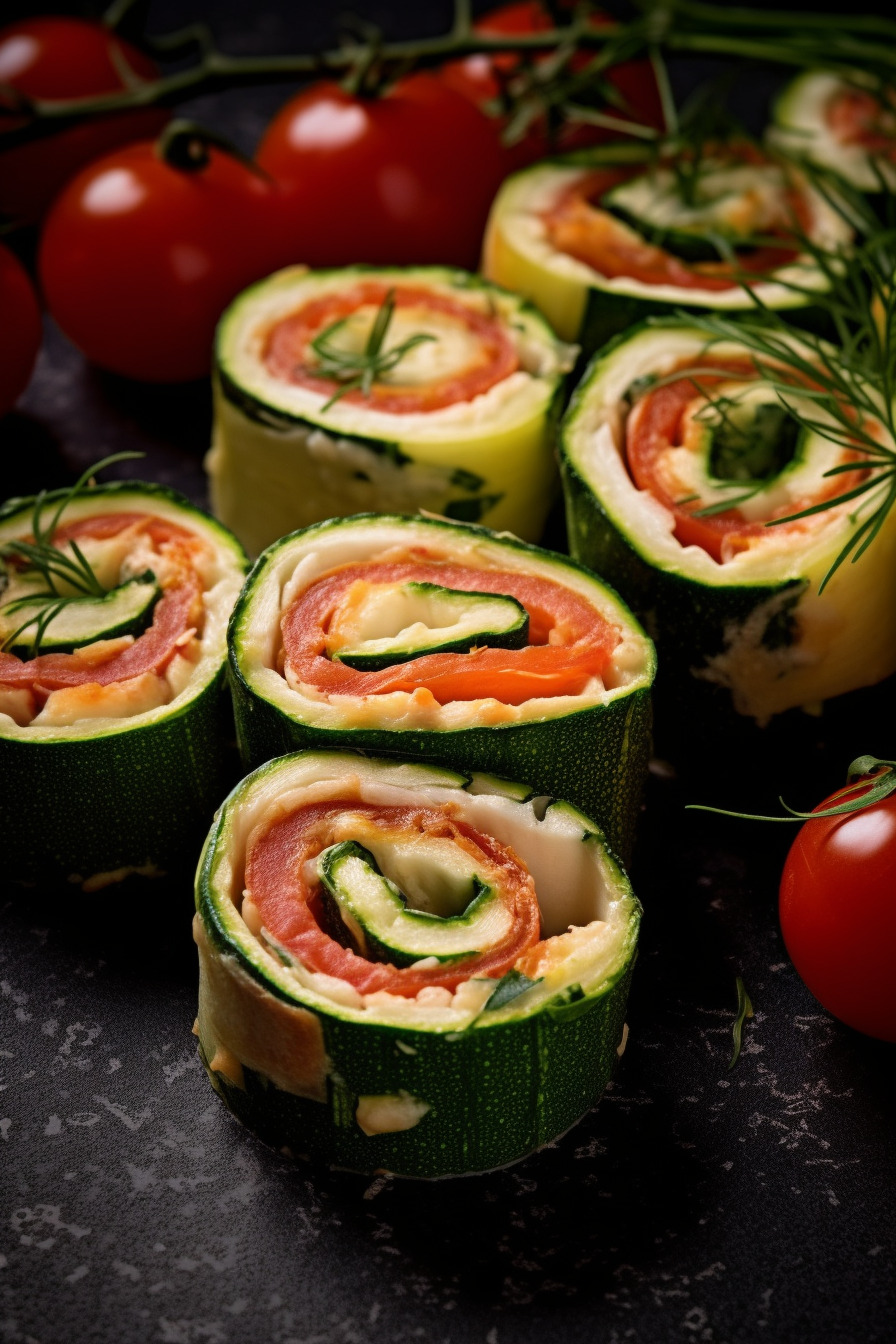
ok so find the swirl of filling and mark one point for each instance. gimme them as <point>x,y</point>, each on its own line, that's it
<point>442,865</point>
<point>474,349</point>
<point>702,437</point>
<point>751,204</point>
<point>569,642</point>
<point>136,542</point>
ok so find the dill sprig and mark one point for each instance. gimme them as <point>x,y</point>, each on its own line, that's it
<point>54,567</point>
<point>358,370</point>
<point>869,780</point>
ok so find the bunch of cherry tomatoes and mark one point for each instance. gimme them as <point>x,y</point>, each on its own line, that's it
<point>143,248</point>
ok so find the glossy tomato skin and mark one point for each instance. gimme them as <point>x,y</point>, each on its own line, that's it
<point>55,59</point>
<point>138,259</point>
<point>20,329</point>
<point>838,914</point>
<point>404,179</point>
<point>479,78</point>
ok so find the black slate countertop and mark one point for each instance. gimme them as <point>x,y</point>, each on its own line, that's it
<point>696,1203</point>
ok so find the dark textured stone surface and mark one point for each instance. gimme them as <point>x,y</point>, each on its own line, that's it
<point>695,1204</point>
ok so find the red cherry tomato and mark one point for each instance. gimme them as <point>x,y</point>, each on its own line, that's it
<point>402,179</point>
<point>139,259</point>
<point>838,913</point>
<point>54,59</point>
<point>480,78</point>
<point>20,329</point>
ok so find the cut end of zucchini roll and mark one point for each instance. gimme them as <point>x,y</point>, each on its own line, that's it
<point>111,681</point>
<point>402,972</point>
<point>448,643</point>
<point>684,465</point>
<point>600,241</point>
<point>842,125</point>
<point>339,391</point>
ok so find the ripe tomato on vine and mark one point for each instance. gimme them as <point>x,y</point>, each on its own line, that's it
<point>54,60</point>
<point>142,252</point>
<point>405,178</point>
<point>838,908</point>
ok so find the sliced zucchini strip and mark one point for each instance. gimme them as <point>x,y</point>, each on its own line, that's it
<point>364,1054</point>
<point>112,739</point>
<point>393,623</point>
<point>125,610</point>
<point>598,241</point>
<point>568,712</point>
<point>462,425</point>
<point>735,604</point>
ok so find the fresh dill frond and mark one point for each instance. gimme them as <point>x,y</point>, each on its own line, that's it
<point>358,370</point>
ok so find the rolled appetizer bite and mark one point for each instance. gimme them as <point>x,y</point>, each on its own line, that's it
<point>684,463</point>
<point>442,641</point>
<point>601,240</point>
<point>347,390</point>
<point>405,969</point>
<point>113,711</point>
<point>846,126</point>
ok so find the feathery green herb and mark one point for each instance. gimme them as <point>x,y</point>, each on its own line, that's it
<point>358,370</point>
<point>67,577</point>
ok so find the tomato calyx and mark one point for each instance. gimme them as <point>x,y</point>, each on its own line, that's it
<point>187,146</point>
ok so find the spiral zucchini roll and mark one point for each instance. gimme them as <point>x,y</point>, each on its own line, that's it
<point>113,705</point>
<point>407,969</point>
<point>676,457</point>
<point>441,641</point>
<point>340,391</point>
<point>845,126</point>
<point>598,242</point>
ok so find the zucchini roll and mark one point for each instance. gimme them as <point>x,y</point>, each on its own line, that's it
<point>405,969</point>
<point>598,242</point>
<point>442,641</point>
<point>113,709</point>
<point>845,126</point>
<point>683,463</point>
<point>347,390</point>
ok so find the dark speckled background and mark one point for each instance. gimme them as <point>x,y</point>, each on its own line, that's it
<point>695,1204</point>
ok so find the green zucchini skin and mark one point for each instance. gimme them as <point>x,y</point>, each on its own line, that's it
<point>496,1091</point>
<point>96,803</point>
<point>508,1090</point>
<point>596,756</point>
<point>139,799</point>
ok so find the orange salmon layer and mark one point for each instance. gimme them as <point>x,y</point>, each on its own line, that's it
<point>658,424</point>
<point>570,642</point>
<point>577,226</point>
<point>857,117</point>
<point>177,611</point>
<point>288,354</point>
<point>291,910</point>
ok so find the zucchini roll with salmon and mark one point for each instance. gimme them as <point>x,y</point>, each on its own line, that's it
<point>444,642</point>
<point>600,241</point>
<point>113,713</point>
<point>395,390</point>
<point>845,126</point>
<point>405,969</point>
<point>721,492</point>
